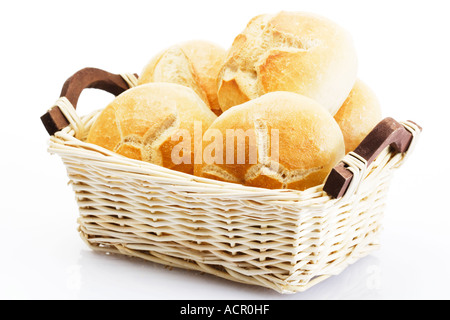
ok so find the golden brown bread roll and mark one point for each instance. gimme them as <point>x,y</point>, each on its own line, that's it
<point>289,51</point>
<point>141,123</point>
<point>195,64</point>
<point>359,114</point>
<point>292,142</point>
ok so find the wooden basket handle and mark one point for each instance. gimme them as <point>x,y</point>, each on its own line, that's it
<point>386,133</point>
<point>54,120</point>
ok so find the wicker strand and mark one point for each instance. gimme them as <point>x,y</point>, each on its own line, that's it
<point>415,131</point>
<point>130,79</point>
<point>69,112</point>
<point>357,165</point>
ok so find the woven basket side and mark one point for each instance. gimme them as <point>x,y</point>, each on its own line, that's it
<point>281,239</point>
<point>238,236</point>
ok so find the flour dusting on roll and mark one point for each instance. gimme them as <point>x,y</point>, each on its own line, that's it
<point>142,122</point>
<point>308,143</point>
<point>359,114</point>
<point>289,51</point>
<point>195,64</point>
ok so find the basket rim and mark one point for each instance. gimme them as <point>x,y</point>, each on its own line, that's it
<point>66,138</point>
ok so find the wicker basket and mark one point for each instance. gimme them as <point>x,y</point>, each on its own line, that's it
<point>280,239</point>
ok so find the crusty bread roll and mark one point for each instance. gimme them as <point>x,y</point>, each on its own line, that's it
<point>359,114</point>
<point>141,123</point>
<point>195,64</point>
<point>289,51</point>
<point>283,141</point>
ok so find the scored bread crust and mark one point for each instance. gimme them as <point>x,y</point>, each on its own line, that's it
<point>141,122</point>
<point>289,51</point>
<point>310,143</point>
<point>195,64</point>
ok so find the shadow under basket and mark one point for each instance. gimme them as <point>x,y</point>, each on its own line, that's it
<point>285,240</point>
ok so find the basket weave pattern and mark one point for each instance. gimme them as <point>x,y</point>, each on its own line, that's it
<point>280,239</point>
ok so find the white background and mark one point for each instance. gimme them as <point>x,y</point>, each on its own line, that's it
<point>404,54</point>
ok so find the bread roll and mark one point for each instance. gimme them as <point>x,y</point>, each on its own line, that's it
<point>281,140</point>
<point>195,64</point>
<point>359,114</point>
<point>141,123</point>
<point>289,51</point>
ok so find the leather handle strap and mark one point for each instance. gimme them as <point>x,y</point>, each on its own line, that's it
<point>386,133</point>
<point>54,120</point>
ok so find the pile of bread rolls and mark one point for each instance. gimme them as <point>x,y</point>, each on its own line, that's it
<point>289,83</point>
